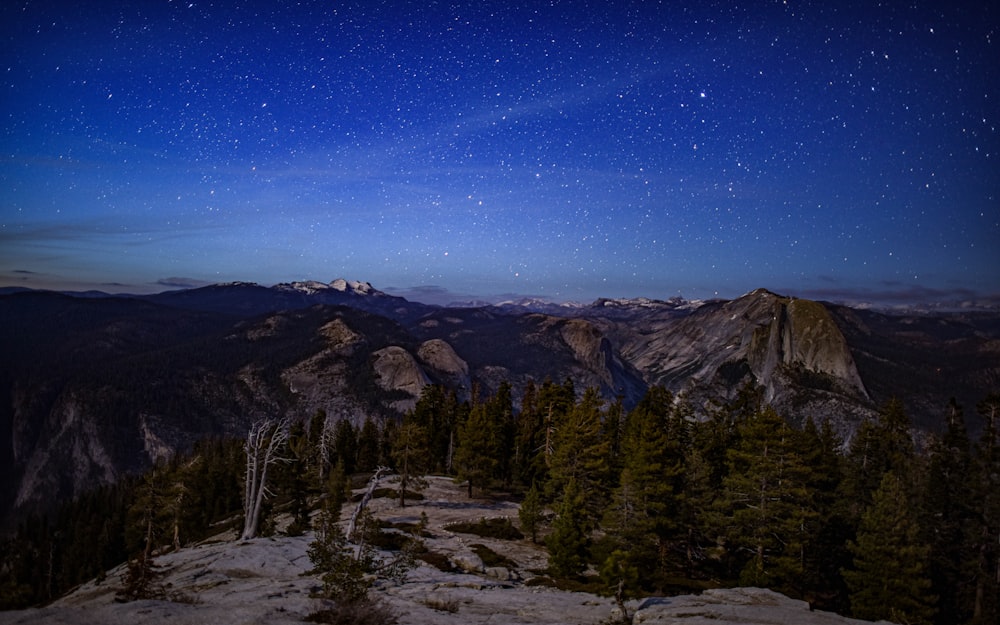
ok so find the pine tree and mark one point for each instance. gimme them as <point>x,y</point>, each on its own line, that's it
<point>580,455</point>
<point>347,447</point>
<point>569,541</point>
<point>437,412</point>
<point>646,505</point>
<point>948,515</point>
<point>877,448</point>
<point>476,453</point>
<point>530,435</point>
<point>500,414</point>
<point>367,456</point>
<point>410,455</point>
<point>766,504</point>
<point>296,480</point>
<point>985,530</point>
<point>343,568</point>
<point>145,532</point>
<point>530,513</point>
<point>889,578</point>
<point>827,555</point>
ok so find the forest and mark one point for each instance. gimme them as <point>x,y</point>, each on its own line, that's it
<point>647,501</point>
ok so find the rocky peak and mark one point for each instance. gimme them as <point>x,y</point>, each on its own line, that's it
<point>353,286</point>
<point>397,370</point>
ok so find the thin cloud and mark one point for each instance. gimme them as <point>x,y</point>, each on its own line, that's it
<point>181,283</point>
<point>892,294</point>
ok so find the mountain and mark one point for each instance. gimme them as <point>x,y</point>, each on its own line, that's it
<point>95,388</point>
<point>248,299</point>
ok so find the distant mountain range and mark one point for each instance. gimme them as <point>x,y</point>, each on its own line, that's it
<point>94,386</point>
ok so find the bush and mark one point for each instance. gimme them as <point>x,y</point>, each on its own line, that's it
<point>492,558</point>
<point>500,528</point>
<point>442,605</point>
<point>363,612</point>
<point>437,560</point>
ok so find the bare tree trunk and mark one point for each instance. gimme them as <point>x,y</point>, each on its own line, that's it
<point>264,442</point>
<point>372,485</point>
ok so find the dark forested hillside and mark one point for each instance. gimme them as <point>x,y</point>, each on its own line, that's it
<point>96,388</point>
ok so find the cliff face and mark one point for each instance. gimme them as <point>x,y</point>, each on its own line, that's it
<point>792,348</point>
<point>802,335</point>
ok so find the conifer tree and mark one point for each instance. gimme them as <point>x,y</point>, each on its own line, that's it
<point>985,529</point>
<point>476,453</point>
<point>827,556</point>
<point>145,531</point>
<point>347,447</point>
<point>296,479</point>
<point>530,513</point>
<point>877,448</point>
<point>410,451</point>
<point>342,567</point>
<point>528,444</point>
<point>580,456</point>
<point>500,414</point>
<point>437,412</point>
<point>948,517</point>
<point>646,504</point>
<point>766,504</point>
<point>367,456</point>
<point>554,402</point>
<point>570,540</point>
<point>889,578</point>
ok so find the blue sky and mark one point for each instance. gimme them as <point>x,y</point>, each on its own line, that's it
<point>568,150</point>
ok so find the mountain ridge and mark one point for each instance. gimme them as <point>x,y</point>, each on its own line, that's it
<point>94,388</point>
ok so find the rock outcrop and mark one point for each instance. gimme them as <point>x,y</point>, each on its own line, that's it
<point>397,370</point>
<point>442,358</point>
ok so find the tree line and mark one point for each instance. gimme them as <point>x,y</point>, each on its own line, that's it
<point>630,502</point>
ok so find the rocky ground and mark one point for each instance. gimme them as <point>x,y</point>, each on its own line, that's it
<point>223,581</point>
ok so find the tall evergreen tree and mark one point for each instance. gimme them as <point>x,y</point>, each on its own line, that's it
<point>766,503</point>
<point>437,412</point>
<point>570,539</point>
<point>947,517</point>
<point>295,478</point>
<point>410,456</point>
<point>877,448</point>
<point>476,454</point>
<point>347,447</point>
<point>985,530</point>
<point>580,456</point>
<point>367,456</point>
<point>148,518</point>
<point>827,555</point>
<point>500,414</point>
<point>889,579</point>
<point>530,437</point>
<point>530,513</point>
<point>646,505</point>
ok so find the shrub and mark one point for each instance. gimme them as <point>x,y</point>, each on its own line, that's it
<point>362,612</point>
<point>500,528</point>
<point>492,558</point>
<point>442,605</point>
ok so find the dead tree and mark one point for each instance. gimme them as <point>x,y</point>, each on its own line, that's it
<point>372,485</point>
<point>263,448</point>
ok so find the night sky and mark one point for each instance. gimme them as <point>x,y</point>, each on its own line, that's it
<point>442,151</point>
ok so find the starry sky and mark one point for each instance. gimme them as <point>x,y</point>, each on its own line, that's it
<point>847,151</point>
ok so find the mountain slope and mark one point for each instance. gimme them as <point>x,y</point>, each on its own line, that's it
<point>94,388</point>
